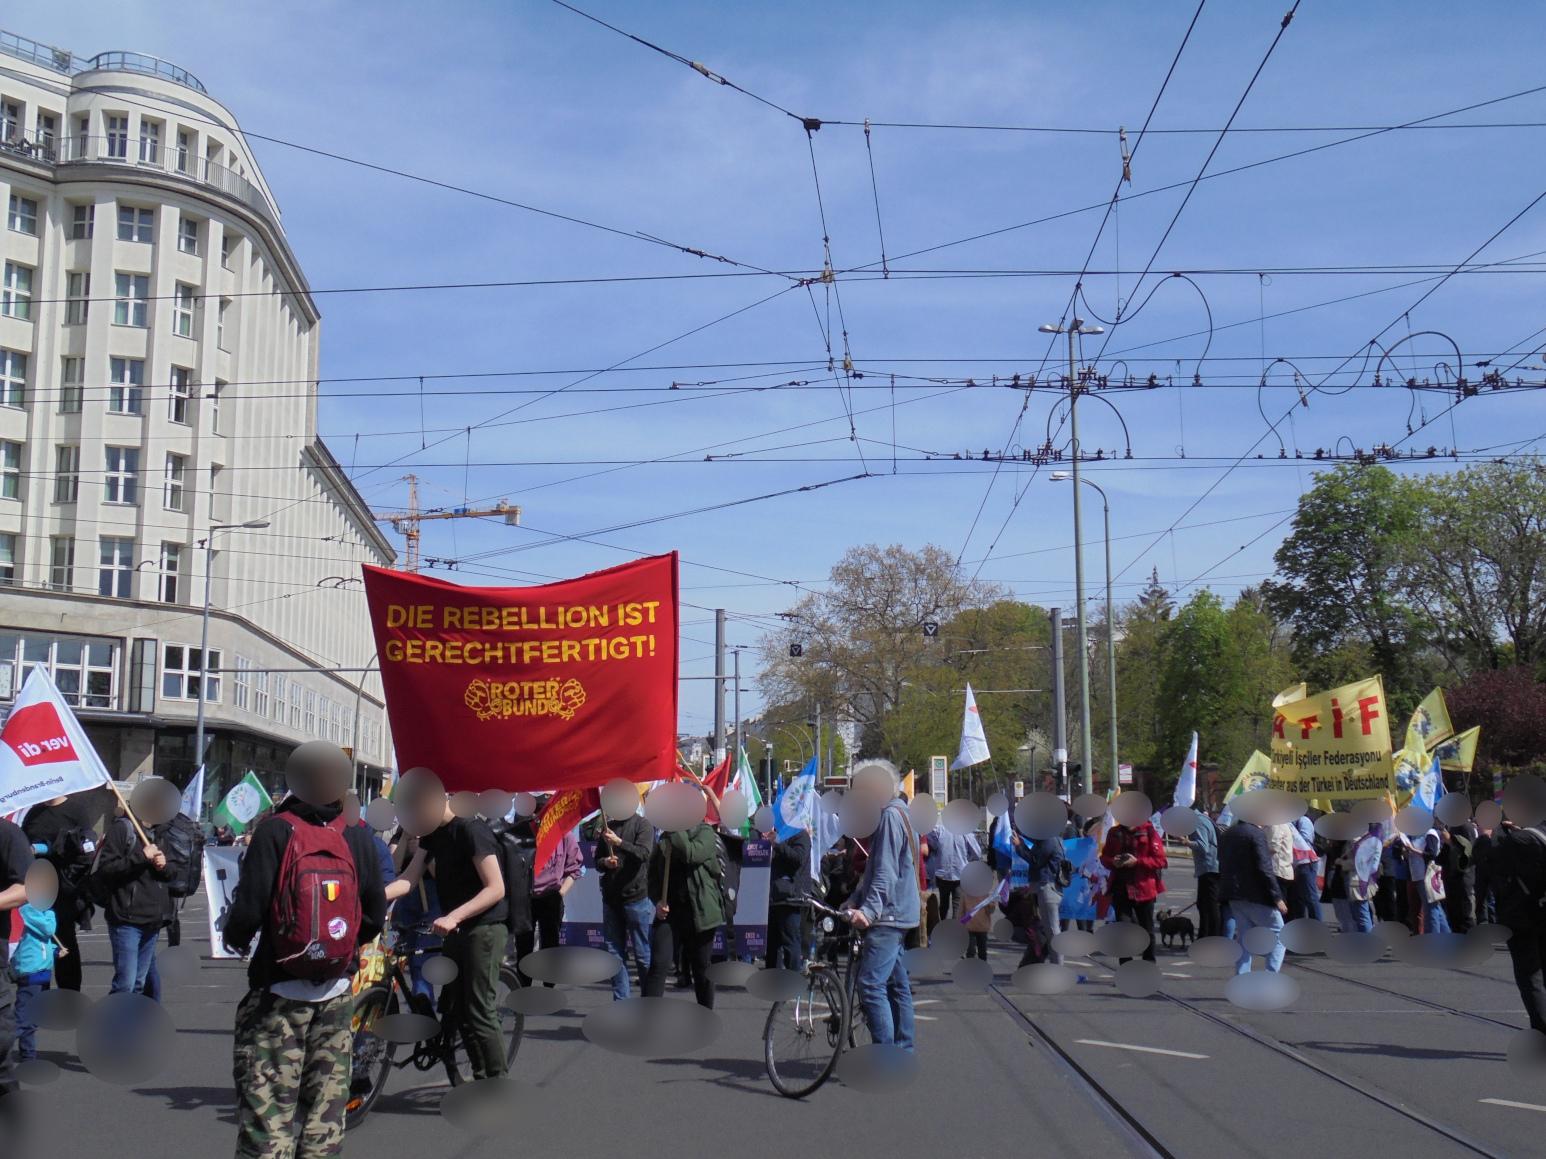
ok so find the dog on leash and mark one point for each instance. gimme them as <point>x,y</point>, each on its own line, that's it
<point>1173,926</point>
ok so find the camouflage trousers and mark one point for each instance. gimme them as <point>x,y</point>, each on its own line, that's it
<point>292,1066</point>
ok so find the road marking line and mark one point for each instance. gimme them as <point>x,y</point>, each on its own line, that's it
<point>1516,1106</point>
<point>925,1001</point>
<point>931,1018</point>
<point>1142,1049</point>
<point>1168,974</point>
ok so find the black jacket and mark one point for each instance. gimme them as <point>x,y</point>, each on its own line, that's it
<point>137,893</point>
<point>1245,866</point>
<point>628,882</point>
<point>1513,870</point>
<point>254,895</point>
<point>790,883</point>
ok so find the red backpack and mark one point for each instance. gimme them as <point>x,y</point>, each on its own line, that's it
<point>315,914</point>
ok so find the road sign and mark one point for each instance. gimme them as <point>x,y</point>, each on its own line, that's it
<point>931,628</point>
<point>1124,774</point>
<point>797,650</point>
<point>1019,789</point>
<point>939,772</point>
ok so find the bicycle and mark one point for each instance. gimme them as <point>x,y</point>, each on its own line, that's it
<point>384,986</point>
<point>805,1035</point>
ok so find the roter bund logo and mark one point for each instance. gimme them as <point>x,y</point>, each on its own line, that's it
<point>503,699</point>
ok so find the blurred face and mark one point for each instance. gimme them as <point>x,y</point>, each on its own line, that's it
<point>318,773</point>
<point>874,784</point>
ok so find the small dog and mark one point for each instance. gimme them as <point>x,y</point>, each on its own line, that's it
<point>1173,927</point>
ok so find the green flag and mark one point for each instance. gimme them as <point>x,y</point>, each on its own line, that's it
<point>746,781</point>
<point>245,801</point>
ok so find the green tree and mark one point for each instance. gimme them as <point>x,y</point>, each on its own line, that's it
<point>1479,566</point>
<point>1344,587</point>
<point>1140,655</point>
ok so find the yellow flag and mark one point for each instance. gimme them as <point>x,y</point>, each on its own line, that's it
<point>1254,775</point>
<point>1289,695</point>
<point>1458,753</point>
<point>907,784</point>
<point>1335,744</point>
<point>1431,721</point>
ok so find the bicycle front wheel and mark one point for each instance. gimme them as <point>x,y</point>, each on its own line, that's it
<point>804,1035</point>
<point>372,1056</point>
<point>512,1028</point>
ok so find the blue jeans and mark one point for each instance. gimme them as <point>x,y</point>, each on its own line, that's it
<point>627,924</point>
<point>1250,915</point>
<point>1353,916</point>
<point>1435,920</point>
<point>884,993</point>
<point>134,949</point>
<point>28,987</point>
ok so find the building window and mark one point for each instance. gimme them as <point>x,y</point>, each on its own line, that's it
<point>81,217</point>
<point>335,723</point>
<point>82,668</point>
<point>171,570</point>
<point>220,325</point>
<point>82,138</point>
<point>77,297</point>
<point>311,713</point>
<point>24,215</point>
<point>121,480</point>
<point>132,307</point>
<point>117,137</point>
<point>61,563</point>
<point>184,149</point>
<point>136,224</point>
<point>10,122</point>
<point>182,312</point>
<point>72,372</point>
<point>10,470</point>
<point>16,295</point>
<point>126,388</point>
<point>281,697</point>
<point>47,133</point>
<point>150,142</point>
<point>295,706</point>
<point>7,558</point>
<point>183,671</point>
<point>260,694</point>
<point>176,473</point>
<point>67,472</point>
<point>188,236</point>
<point>214,406</point>
<point>227,243</point>
<point>181,392</point>
<point>13,378</point>
<point>241,686</point>
<point>115,571</point>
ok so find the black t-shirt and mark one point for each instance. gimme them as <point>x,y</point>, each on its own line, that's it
<point>15,857</point>
<point>455,850</point>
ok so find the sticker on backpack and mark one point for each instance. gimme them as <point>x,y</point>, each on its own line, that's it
<point>337,928</point>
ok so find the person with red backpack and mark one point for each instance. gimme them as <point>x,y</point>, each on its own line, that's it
<point>310,891</point>
<point>1135,854</point>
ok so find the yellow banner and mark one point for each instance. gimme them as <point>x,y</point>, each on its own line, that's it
<point>1458,753</point>
<point>1335,744</point>
<point>1430,722</point>
<point>907,784</point>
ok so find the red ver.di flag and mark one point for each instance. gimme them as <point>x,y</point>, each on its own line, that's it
<point>566,685</point>
<point>44,752</point>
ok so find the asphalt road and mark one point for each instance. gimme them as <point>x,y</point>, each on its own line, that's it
<point>1395,1077</point>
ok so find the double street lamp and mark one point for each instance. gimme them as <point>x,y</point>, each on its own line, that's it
<point>1075,328</point>
<point>1111,622</point>
<point>209,555</point>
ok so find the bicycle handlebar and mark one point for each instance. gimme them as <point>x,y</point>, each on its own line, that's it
<point>825,910</point>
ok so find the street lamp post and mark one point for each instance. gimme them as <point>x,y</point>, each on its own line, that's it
<point>209,555</point>
<point>1111,624</point>
<point>1075,328</point>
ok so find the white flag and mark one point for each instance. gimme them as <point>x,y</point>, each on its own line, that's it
<point>193,796</point>
<point>974,742</point>
<point>1186,783</point>
<point>44,752</point>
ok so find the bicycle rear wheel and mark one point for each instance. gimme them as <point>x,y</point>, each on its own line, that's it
<point>372,1056</point>
<point>512,1028</point>
<point>804,1035</point>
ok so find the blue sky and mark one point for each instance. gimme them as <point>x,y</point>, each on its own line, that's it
<point>532,103</point>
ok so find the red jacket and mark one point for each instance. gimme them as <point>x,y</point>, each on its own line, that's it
<point>1140,882</point>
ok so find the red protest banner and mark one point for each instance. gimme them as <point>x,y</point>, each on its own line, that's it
<point>566,809</point>
<point>566,685</point>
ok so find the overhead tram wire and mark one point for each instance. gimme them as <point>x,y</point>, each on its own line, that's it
<point>1201,172</point>
<point>1073,298</point>
<point>1433,289</point>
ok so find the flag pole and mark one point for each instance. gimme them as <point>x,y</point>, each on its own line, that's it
<point>128,812</point>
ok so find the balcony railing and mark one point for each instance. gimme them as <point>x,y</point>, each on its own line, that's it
<point>63,61</point>
<point>181,164</point>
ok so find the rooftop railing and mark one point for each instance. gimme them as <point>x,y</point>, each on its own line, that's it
<point>68,63</point>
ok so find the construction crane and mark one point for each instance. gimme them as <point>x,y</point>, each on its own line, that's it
<point>406,523</point>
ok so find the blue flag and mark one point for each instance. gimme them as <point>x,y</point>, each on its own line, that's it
<point>794,808</point>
